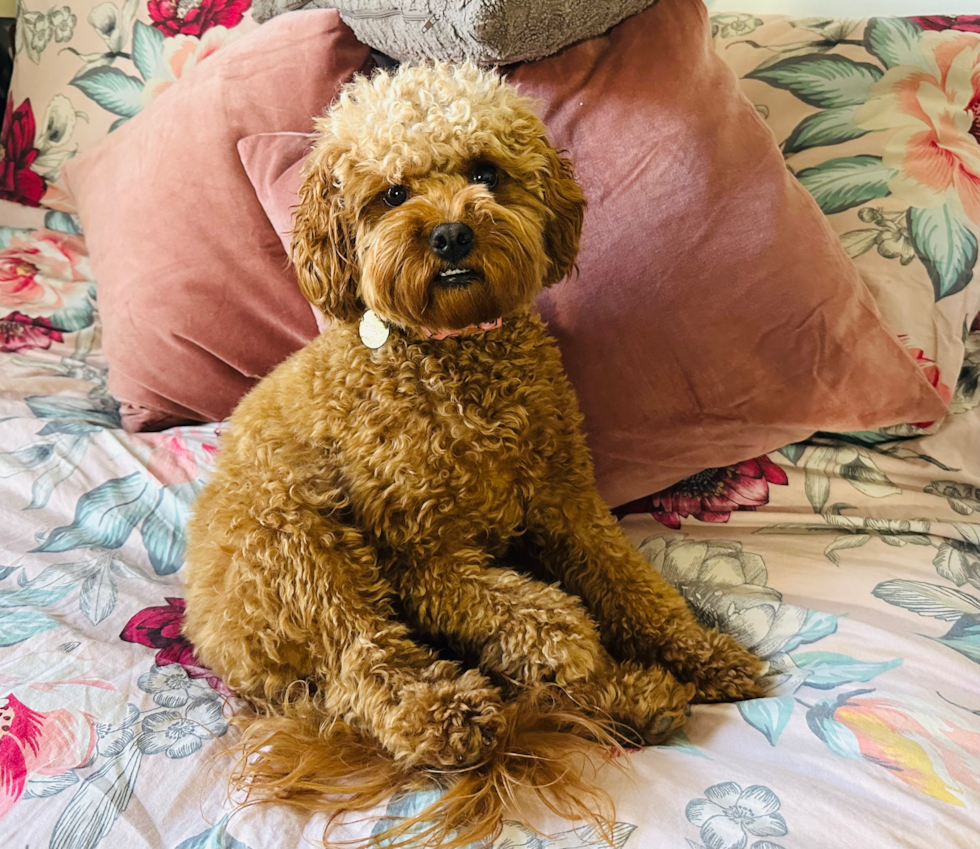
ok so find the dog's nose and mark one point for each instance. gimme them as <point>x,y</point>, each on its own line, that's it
<point>451,242</point>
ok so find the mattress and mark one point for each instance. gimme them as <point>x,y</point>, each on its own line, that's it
<point>856,577</point>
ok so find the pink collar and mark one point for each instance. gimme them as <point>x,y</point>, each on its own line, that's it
<point>445,334</point>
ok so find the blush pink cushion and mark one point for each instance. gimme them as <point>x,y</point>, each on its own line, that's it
<point>274,164</point>
<point>195,293</point>
<point>715,316</point>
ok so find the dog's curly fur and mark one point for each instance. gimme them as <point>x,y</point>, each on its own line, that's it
<point>374,508</point>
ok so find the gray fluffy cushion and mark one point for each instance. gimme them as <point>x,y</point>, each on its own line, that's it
<point>487,32</point>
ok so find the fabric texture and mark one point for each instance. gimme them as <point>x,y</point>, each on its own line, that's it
<point>83,69</point>
<point>196,294</point>
<point>712,297</point>
<point>487,32</point>
<point>878,118</point>
<point>712,293</point>
<point>273,162</point>
<point>854,571</point>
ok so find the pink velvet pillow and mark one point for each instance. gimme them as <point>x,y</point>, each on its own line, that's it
<point>196,295</point>
<point>715,316</point>
<point>273,162</point>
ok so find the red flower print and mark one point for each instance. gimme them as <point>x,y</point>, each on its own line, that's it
<point>973,107</point>
<point>19,332</point>
<point>159,628</point>
<point>712,495</point>
<point>43,743</point>
<point>17,153</point>
<point>964,23</point>
<point>195,17</point>
<point>931,371</point>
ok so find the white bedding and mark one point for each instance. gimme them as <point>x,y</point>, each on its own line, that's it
<point>868,614</point>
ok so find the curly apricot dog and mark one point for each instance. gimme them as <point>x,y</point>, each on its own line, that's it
<point>376,492</point>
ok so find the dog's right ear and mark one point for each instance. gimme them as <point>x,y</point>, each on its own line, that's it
<point>323,248</point>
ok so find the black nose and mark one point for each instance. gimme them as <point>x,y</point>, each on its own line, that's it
<point>451,242</point>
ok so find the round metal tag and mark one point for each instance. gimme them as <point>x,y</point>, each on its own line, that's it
<point>372,330</point>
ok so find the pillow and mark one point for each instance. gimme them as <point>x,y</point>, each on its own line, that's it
<point>195,293</point>
<point>878,119</point>
<point>273,162</point>
<point>81,70</point>
<point>715,316</point>
<point>488,32</point>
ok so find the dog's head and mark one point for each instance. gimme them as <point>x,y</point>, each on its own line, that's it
<point>433,198</point>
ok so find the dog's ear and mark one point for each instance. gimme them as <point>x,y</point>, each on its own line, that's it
<point>323,248</point>
<point>566,204</point>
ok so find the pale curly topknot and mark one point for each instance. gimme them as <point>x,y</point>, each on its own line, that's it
<point>424,117</point>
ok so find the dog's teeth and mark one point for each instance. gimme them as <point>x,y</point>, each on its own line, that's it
<point>452,272</point>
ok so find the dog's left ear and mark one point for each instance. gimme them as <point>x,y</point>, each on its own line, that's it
<point>566,205</point>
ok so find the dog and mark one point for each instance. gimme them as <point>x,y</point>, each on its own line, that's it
<point>402,551</point>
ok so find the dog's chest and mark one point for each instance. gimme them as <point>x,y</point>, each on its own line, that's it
<point>452,449</point>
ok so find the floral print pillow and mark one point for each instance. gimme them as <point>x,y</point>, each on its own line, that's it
<point>878,118</point>
<point>45,288</point>
<point>83,69</point>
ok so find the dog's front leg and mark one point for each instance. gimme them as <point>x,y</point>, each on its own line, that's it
<point>423,710</point>
<point>523,629</point>
<point>288,593</point>
<point>640,615</point>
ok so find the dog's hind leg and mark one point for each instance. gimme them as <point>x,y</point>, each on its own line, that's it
<point>641,616</point>
<point>646,703</point>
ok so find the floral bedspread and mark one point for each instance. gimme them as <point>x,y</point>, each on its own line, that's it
<point>854,570</point>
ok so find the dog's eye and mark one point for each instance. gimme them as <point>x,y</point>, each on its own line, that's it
<point>395,195</point>
<point>486,174</point>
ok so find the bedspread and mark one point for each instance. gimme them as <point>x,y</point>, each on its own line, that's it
<point>853,568</point>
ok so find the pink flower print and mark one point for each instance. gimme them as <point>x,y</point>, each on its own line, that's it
<point>40,743</point>
<point>160,628</point>
<point>964,23</point>
<point>195,17</point>
<point>41,271</point>
<point>928,111</point>
<point>18,182</point>
<point>172,462</point>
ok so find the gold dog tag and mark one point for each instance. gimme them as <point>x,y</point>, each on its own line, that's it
<point>372,330</point>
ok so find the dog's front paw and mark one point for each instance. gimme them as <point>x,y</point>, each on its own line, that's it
<point>730,673</point>
<point>445,722</point>
<point>661,725</point>
<point>560,645</point>
<point>663,712</point>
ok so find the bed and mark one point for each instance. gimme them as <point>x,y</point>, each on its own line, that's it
<point>851,565</point>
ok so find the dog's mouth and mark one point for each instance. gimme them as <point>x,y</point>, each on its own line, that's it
<point>456,278</point>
